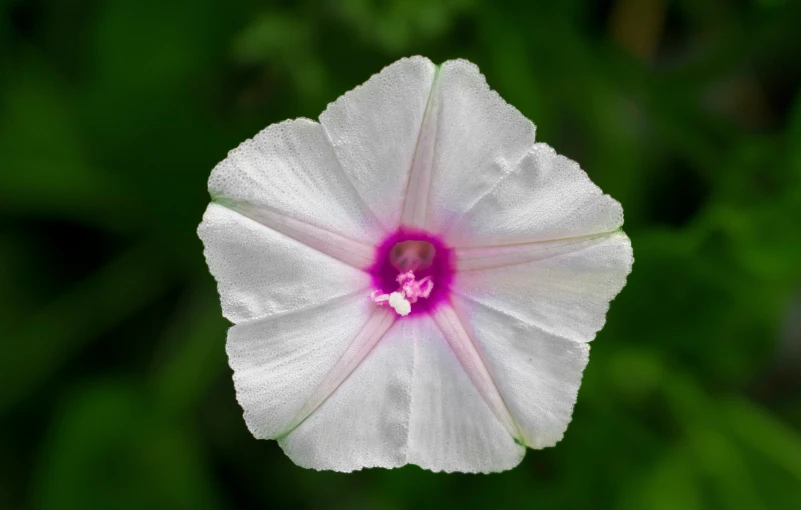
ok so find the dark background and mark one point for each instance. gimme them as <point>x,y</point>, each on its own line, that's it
<point>114,387</point>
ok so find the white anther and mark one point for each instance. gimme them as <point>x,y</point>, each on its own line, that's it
<point>399,303</point>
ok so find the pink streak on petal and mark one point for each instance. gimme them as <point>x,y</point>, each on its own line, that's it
<point>377,326</point>
<point>465,350</point>
<point>490,257</point>
<point>351,252</point>
<point>415,205</point>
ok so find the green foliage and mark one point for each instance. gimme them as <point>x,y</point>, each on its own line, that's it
<point>114,389</point>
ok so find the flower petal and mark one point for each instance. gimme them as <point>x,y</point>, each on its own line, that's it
<point>374,130</point>
<point>546,197</point>
<point>287,176</point>
<point>464,349</point>
<point>364,423</point>
<point>410,399</point>
<point>379,322</point>
<point>537,373</point>
<point>261,272</point>
<point>280,361</point>
<point>566,295</point>
<point>479,138</point>
<point>451,426</point>
<point>489,257</point>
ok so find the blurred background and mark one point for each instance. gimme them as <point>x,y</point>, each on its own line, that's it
<point>114,387</point>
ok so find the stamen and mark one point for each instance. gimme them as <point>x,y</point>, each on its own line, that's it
<point>409,291</point>
<point>399,303</point>
<point>379,298</point>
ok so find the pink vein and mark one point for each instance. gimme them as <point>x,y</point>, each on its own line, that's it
<point>415,203</point>
<point>368,337</point>
<point>492,257</point>
<point>466,351</point>
<point>353,253</point>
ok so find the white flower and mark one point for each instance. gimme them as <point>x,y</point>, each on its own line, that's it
<point>412,279</point>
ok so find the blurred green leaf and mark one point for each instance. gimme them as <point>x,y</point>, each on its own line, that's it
<point>767,435</point>
<point>397,25</point>
<point>717,455</point>
<point>109,448</point>
<point>191,354</point>
<point>672,484</point>
<point>55,334</point>
<point>45,166</point>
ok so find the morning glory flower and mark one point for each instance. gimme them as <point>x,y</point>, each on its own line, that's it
<point>412,279</point>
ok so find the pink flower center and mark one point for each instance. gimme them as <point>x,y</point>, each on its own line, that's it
<point>412,272</point>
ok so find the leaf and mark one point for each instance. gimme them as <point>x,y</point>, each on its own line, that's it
<point>766,434</point>
<point>109,448</point>
<point>54,335</point>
